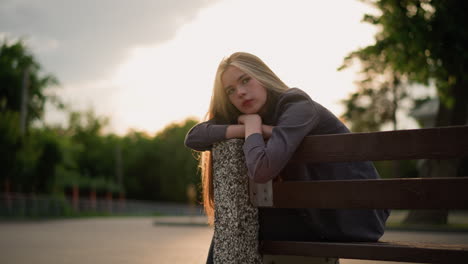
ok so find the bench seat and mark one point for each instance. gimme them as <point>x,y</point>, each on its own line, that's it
<point>385,251</point>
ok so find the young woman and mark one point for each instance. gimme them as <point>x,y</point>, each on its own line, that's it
<point>249,101</point>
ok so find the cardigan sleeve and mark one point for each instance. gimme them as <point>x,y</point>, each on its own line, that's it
<point>202,136</point>
<point>265,161</point>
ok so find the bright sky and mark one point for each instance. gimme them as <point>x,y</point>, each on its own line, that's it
<point>304,47</point>
<point>155,84</point>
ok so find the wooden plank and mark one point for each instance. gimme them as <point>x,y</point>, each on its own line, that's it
<point>431,143</point>
<point>412,193</point>
<point>388,251</point>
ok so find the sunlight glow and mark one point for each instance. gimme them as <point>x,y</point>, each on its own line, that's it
<point>304,42</point>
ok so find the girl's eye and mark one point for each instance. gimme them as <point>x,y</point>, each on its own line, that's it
<point>229,91</point>
<point>245,80</point>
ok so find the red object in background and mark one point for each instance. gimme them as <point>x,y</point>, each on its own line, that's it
<point>109,202</point>
<point>75,197</point>
<point>7,194</point>
<point>92,198</point>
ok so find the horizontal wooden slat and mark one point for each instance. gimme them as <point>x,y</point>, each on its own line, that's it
<point>411,193</point>
<point>394,251</point>
<point>431,143</point>
<point>414,193</point>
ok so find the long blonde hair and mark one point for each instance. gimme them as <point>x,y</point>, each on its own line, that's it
<point>223,111</point>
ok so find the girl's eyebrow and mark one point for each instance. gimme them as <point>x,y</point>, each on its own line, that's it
<point>241,77</point>
<point>238,79</point>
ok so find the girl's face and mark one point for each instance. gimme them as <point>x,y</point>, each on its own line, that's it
<point>243,91</point>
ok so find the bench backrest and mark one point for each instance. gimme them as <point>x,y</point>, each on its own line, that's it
<point>441,192</point>
<point>412,193</point>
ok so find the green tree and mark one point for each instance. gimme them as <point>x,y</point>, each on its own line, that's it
<point>97,156</point>
<point>178,167</point>
<point>424,41</point>
<point>141,161</point>
<point>10,143</point>
<point>159,167</point>
<point>22,84</point>
<point>44,144</point>
<point>374,105</point>
<point>18,67</point>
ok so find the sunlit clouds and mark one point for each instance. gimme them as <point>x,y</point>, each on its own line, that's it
<point>173,80</point>
<point>145,82</point>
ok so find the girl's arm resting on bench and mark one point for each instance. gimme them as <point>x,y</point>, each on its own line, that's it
<point>265,160</point>
<point>202,136</point>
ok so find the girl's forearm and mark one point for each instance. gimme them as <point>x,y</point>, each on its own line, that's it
<point>239,131</point>
<point>266,131</point>
<point>235,131</point>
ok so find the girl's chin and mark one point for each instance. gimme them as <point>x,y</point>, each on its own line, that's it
<point>250,111</point>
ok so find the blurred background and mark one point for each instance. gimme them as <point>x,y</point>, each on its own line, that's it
<point>96,96</point>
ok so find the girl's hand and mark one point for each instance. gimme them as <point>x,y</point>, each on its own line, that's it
<point>252,124</point>
<point>249,119</point>
<point>266,131</point>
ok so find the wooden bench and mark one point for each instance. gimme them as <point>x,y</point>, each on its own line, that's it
<point>409,193</point>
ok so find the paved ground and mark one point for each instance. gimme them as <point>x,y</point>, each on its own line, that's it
<point>103,241</point>
<point>133,240</point>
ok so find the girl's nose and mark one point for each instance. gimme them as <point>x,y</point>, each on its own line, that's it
<point>241,91</point>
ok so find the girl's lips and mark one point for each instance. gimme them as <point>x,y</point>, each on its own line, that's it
<point>247,102</point>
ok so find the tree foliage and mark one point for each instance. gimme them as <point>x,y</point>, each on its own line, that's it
<point>178,167</point>
<point>51,159</point>
<point>21,155</point>
<point>17,66</point>
<point>419,41</point>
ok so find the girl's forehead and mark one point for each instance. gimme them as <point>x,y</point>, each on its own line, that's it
<point>231,75</point>
<point>233,70</point>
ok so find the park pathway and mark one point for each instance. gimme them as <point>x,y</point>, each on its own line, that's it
<point>102,241</point>
<point>134,240</point>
